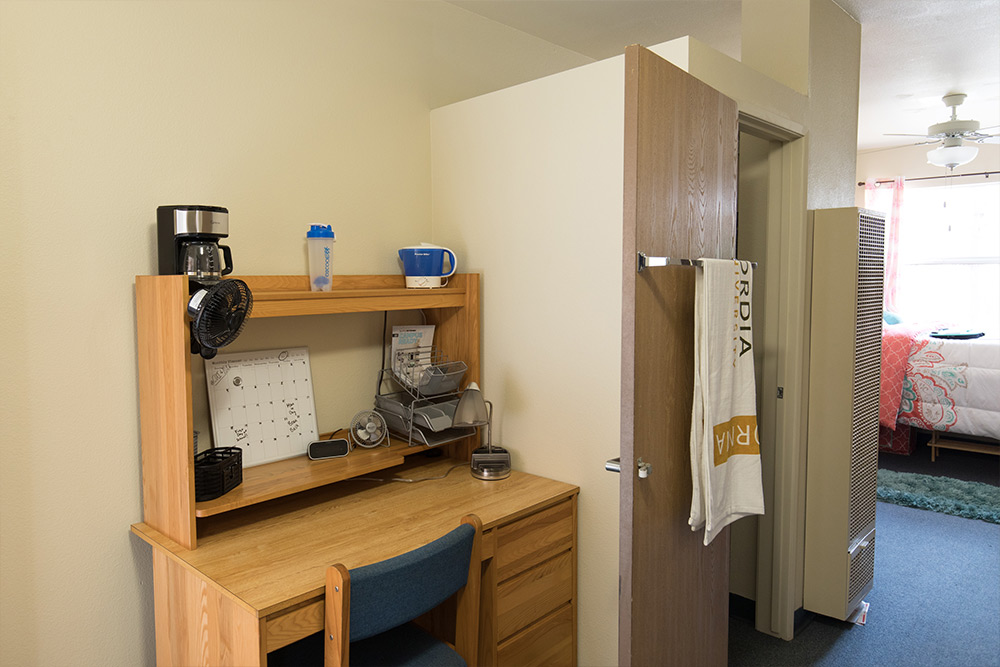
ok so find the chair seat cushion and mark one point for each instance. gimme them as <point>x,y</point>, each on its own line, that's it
<point>404,645</point>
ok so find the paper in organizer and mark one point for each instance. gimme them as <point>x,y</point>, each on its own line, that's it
<point>725,447</point>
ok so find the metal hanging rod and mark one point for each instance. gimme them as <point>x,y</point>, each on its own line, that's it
<point>644,261</point>
<point>986,174</point>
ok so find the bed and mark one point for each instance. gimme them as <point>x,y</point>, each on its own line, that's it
<point>950,387</point>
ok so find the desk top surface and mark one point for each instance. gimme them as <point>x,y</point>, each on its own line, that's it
<point>272,556</point>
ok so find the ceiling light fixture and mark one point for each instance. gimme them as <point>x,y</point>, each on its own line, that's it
<point>952,153</point>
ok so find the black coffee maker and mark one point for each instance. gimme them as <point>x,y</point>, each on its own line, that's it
<point>188,242</point>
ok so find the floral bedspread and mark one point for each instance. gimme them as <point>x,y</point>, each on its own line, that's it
<point>953,386</point>
<point>897,341</point>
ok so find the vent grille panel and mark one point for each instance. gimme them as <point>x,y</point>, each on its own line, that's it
<point>867,366</point>
<point>845,361</point>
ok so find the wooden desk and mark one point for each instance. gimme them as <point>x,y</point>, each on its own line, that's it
<point>255,582</point>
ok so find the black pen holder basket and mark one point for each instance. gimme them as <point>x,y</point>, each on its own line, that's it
<point>216,472</point>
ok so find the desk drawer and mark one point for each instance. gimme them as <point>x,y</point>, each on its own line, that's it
<point>524,599</point>
<point>548,642</point>
<point>524,543</point>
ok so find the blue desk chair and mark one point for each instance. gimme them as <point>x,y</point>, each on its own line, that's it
<point>369,609</point>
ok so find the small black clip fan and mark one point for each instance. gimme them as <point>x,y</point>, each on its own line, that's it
<point>218,313</point>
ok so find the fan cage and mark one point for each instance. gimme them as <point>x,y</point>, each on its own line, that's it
<point>223,314</point>
<point>360,422</point>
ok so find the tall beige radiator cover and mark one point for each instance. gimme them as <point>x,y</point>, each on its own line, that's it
<point>844,364</point>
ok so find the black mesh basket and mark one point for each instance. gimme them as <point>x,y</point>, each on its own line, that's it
<point>216,472</point>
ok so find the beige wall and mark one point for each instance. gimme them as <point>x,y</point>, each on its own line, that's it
<point>813,48</point>
<point>834,73</point>
<point>287,113</point>
<point>527,183</point>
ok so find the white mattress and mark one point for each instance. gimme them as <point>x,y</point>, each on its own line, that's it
<point>953,386</point>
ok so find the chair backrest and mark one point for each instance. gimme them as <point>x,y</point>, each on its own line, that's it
<point>394,591</point>
<point>389,593</point>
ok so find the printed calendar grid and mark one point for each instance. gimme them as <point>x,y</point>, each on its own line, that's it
<point>262,402</point>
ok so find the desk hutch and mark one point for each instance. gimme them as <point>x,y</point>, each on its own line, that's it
<point>243,574</point>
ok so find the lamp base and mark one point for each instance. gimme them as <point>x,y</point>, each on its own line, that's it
<point>490,464</point>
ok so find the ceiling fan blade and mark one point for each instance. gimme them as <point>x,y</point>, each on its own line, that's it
<point>896,134</point>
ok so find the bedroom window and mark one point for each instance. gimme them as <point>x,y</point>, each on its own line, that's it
<point>949,256</point>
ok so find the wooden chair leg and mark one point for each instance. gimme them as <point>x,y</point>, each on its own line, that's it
<point>337,617</point>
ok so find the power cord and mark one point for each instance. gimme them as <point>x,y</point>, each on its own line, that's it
<point>410,481</point>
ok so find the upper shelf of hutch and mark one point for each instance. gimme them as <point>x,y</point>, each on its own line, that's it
<point>283,296</point>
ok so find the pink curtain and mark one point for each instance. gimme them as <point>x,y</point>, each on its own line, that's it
<point>888,198</point>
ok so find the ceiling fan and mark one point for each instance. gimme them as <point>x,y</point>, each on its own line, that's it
<point>954,134</point>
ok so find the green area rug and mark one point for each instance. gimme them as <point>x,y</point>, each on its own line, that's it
<point>972,500</point>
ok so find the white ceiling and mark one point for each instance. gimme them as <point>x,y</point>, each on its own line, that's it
<point>912,51</point>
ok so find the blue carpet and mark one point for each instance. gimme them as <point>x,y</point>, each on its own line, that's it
<point>935,602</point>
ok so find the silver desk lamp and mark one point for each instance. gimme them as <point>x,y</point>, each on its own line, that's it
<point>489,462</point>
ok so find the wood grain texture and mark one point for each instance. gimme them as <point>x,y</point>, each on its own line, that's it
<point>283,296</point>
<point>526,543</point>
<point>534,593</point>
<point>165,412</point>
<point>551,642</point>
<point>281,478</point>
<point>487,609</point>
<point>468,598</point>
<point>337,619</point>
<point>283,629</point>
<point>273,556</point>
<point>196,625</point>
<point>680,201</point>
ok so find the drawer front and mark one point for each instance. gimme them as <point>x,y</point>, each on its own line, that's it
<point>527,542</point>
<point>529,596</point>
<point>549,642</point>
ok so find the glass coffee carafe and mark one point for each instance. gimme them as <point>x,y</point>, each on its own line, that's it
<point>201,262</point>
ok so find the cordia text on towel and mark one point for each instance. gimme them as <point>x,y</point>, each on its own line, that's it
<point>742,313</point>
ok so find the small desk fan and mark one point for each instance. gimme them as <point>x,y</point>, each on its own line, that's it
<point>368,429</point>
<point>218,314</point>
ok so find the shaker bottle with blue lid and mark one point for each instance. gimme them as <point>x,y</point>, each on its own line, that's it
<point>320,239</point>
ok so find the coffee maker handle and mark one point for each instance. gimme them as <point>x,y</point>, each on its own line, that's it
<point>227,259</point>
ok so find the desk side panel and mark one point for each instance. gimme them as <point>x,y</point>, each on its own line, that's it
<point>166,419</point>
<point>196,625</point>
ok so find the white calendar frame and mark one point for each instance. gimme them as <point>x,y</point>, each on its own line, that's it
<point>262,402</point>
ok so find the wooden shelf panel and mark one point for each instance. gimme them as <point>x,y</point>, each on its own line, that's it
<point>281,478</point>
<point>285,296</point>
<point>286,305</point>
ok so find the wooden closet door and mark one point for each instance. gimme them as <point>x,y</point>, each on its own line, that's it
<point>681,139</point>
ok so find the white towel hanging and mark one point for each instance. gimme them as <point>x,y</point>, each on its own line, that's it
<point>725,448</point>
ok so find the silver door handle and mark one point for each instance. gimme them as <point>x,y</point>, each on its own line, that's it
<point>613,465</point>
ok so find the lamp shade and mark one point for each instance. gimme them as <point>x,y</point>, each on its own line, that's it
<point>471,410</point>
<point>952,156</point>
